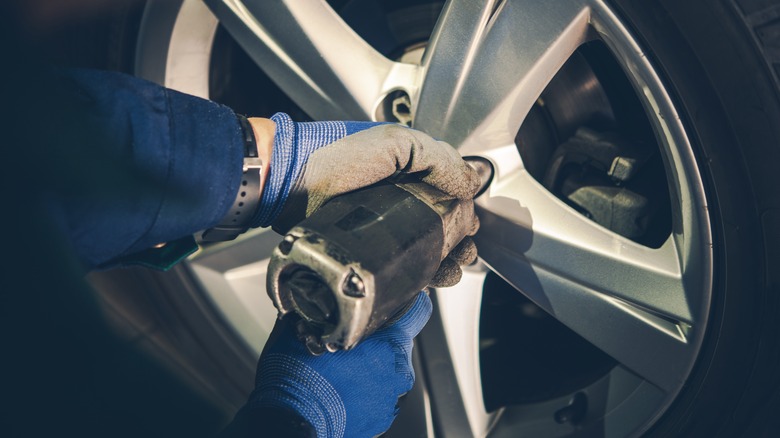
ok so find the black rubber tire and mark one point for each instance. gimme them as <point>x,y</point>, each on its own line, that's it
<point>717,60</point>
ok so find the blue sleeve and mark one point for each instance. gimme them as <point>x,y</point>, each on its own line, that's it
<point>151,165</point>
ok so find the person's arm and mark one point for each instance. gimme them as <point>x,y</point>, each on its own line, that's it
<point>264,131</point>
<point>136,164</point>
<point>161,165</point>
<point>145,165</point>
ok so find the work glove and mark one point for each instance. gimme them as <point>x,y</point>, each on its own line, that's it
<point>350,393</point>
<point>314,162</point>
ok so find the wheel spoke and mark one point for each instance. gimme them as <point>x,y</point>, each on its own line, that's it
<point>627,299</point>
<point>232,272</point>
<point>488,61</point>
<point>557,238</point>
<point>459,308</point>
<point>313,56</point>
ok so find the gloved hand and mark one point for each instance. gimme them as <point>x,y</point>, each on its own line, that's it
<point>314,162</point>
<point>343,394</point>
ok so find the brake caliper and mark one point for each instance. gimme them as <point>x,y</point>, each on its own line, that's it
<point>600,175</point>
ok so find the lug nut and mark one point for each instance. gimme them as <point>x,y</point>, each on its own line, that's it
<point>402,109</point>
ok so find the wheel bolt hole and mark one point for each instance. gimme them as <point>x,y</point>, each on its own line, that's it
<point>396,107</point>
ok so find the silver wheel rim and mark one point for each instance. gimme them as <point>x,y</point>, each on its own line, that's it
<point>486,64</point>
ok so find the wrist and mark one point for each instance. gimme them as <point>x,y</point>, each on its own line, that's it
<point>264,131</point>
<point>258,136</point>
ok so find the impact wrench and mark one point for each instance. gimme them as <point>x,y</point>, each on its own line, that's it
<point>358,261</point>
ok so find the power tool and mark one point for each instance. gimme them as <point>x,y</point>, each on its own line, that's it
<point>359,260</point>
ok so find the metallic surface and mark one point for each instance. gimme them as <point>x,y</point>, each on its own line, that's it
<point>355,263</point>
<point>314,56</point>
<point>486,64</point>
<point>645,307</point>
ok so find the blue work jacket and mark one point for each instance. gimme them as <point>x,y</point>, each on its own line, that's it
<point>160,165</point>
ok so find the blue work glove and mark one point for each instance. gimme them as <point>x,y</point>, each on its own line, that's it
<point>351,394</point>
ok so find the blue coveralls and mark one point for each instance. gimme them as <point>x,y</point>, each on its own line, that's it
<point>102,165</point>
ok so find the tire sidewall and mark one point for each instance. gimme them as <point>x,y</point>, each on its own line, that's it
<point>727,99</point>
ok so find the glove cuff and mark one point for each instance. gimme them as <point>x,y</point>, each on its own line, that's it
<point>273,422</point>
<point>287,383</point>
<point>293,144</point>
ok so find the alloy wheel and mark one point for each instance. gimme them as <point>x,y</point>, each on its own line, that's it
<point>483,70</point>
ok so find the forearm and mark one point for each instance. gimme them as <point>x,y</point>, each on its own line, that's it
<point>152,165</point>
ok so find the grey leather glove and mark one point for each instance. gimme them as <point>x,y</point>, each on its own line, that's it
<point>372,155</point>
